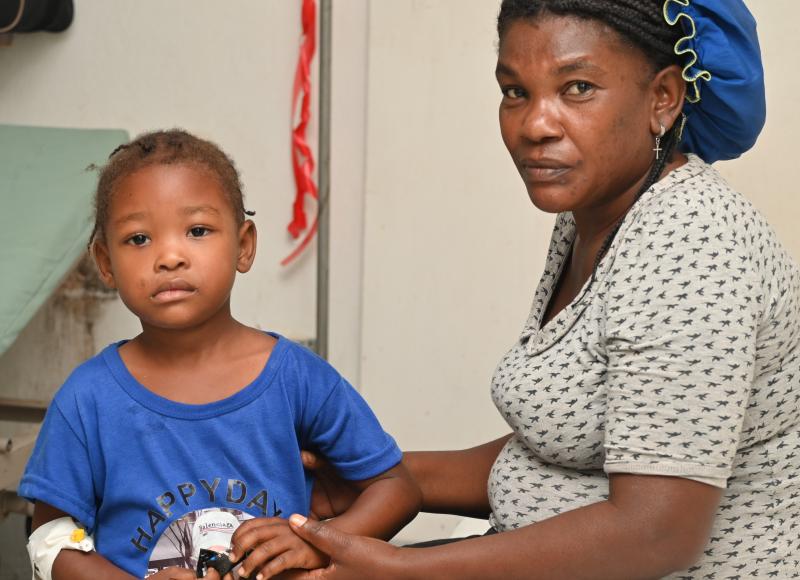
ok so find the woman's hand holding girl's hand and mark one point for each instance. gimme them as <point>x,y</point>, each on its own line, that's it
<point>274,548</point>
<point>351,557</point>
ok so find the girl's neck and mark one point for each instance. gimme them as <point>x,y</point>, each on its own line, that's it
<point>195,343</point>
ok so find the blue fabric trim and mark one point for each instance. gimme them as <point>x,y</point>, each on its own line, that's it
<point>731,111</point>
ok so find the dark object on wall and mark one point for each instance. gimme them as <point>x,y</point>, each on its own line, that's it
<point>35,15</point>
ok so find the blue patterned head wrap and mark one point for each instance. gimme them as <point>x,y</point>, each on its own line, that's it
<point>726,107</point>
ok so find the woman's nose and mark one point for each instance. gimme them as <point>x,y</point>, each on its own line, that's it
<point>541,122</point>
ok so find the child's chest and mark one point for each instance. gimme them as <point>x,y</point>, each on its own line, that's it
<point>157,476</point>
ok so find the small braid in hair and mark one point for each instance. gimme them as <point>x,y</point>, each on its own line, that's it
<point>170,147</point>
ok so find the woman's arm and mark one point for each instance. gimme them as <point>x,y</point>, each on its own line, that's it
<point>649,527</point>
<point>451,481</point>
<point>455,482</point>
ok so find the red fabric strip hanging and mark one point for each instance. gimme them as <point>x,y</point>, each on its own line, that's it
<point>302,155</point>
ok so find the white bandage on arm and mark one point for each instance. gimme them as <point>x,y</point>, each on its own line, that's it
<point>49,539</point>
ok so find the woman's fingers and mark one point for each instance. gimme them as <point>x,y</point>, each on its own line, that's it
<point>331,495</point>
<point>351,557</point>
<point>323,537</point>
<point>310,460</point>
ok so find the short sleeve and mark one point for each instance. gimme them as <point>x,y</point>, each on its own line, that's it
<point>59,472</point>
<point>681,325</point>
<point>345,430</point>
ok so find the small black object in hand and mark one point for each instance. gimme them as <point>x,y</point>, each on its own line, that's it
<point>215,560</point>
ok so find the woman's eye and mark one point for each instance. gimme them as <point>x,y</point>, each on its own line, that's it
<point>579,88</point>
<point>512,93</point>
<point>137,240</point>
<point>198,231</point>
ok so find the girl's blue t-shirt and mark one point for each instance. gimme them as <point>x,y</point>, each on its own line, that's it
<point>140,471</point>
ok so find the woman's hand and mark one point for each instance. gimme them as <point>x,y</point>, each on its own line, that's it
<point>269,546</point>
<point>331,495</point>
<point>351,557</point>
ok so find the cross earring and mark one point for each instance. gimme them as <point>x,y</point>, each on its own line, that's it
<point>658,148</point>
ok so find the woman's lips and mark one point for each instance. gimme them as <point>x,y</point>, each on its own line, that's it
<point>543,171</point>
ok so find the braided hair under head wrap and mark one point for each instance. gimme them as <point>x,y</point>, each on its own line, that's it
<point>640,22</point>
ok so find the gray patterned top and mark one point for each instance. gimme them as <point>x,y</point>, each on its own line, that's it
<point>681,359</point>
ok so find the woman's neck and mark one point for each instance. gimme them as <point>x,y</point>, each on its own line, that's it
<point>594,224</point>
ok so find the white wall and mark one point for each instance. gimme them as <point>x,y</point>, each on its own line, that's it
<point>435,249</point>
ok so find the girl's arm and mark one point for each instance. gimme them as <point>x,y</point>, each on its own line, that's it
<point>76,565</point>
<point>386,504</point>
<point>73,564</point>
<point>649,527</point>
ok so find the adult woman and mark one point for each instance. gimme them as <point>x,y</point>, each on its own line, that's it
<point>650,393</point>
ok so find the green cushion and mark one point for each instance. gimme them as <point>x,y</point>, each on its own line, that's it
<point>45,212</point>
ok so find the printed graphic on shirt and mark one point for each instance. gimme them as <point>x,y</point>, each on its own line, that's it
<point>181,542</point>
<point>236,493</point>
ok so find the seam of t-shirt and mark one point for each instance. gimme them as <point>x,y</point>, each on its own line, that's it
<point>389,456</point>
<point>44,491</point>
<point>715,474</point>
<point>182,412</point>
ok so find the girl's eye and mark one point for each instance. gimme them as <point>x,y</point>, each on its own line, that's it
<point>513,93</point>
<point>137,240</point>
<point>579,88</point>
<point>198,231</point>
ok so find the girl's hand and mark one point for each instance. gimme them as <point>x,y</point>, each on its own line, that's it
<point>351,557</point>
<point>173,573</point>
<point>331,495</point>
<point>273,548</point>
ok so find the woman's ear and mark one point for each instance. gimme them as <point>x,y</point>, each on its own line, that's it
<point>102,260</point>
<point>247,246</point>
<point>669,92</point>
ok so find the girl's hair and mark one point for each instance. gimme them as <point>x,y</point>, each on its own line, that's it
<point>639,22</point>
<point>171,147</point>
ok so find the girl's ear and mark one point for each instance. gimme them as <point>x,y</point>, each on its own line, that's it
<point>247,246</point>
<point>102,260</point>
<point>669,93</point>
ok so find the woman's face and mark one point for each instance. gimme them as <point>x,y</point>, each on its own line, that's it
<point>577,113</point>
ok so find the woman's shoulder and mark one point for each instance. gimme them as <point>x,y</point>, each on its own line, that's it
<point>694,204</point>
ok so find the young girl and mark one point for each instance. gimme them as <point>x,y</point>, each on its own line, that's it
<point>177,436</point>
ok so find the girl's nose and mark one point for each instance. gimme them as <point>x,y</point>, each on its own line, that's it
<point>170,257</point>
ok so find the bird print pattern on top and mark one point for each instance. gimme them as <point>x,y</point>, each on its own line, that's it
<point>681,359</point>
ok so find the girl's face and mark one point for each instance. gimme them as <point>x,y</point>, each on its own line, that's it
<point>578,112</point>
<point>172,246</point>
